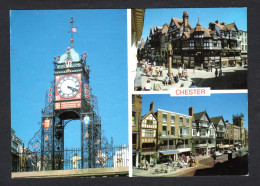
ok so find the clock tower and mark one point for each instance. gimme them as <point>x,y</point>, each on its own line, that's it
<point>70,98</point>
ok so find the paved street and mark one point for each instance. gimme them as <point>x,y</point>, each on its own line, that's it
<point>233,78</point>
<point>205,166</point>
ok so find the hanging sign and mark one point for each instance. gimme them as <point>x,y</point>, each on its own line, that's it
<point>87,120</point>
<point>47,123</point>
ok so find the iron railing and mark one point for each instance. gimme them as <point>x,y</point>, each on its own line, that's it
<point>27,161</point>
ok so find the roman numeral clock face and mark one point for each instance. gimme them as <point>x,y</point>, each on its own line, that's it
<point>68,86</point>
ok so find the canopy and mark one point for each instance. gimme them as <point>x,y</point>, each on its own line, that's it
<point>223,146</point>
<point>168,152</point>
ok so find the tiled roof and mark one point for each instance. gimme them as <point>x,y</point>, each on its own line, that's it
<point>223,27</point>
<point>178,22</point>
<point>165,28</point>
<point>197,116</point>
<point>229,26</point>
<point>215,120</point>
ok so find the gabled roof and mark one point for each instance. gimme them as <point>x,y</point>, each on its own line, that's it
<point>226,27</point>
<point>165,28</point>
<point>197,116</point>
<point>178,22</point>
<point>147,114</point>
<point>216,120</point>
<point>188,34</point>
<point>230,26</point>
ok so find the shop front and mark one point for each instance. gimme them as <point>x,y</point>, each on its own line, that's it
<point>151,157</point>
<point>174,154</point>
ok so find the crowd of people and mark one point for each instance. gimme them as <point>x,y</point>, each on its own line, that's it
<point>157,71</point>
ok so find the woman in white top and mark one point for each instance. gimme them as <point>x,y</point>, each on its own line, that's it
<point>148,86</point>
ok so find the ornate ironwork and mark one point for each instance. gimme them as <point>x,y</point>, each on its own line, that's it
<point>47,145</point>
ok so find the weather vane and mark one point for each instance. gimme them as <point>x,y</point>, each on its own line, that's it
<point>73,29</point>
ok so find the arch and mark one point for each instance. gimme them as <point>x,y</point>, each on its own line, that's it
<point>68,114</point>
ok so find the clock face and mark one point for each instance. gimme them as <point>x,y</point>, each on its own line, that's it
<point>68,86</point>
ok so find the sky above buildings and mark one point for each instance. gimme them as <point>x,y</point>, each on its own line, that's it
<point>155,17</point>
<point>216,105</point>
<point>37,36</point>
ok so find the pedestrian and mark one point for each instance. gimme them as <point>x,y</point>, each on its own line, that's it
<point>154,63</point>
<point>180,71</point>
<point>157,85</point>
<point>193,85</point>
<point>185,74</point>
<point>220,73</point>
<point>161,70</point>
<point>216,73</point>
<point>146,164</point>
<point>101,159</point>
<point>176,78</point>
<point>157,72</point>
<point>208,68</point>
<point>75,159</point>
<point>138,80</point>
<point>163,65</point>
<point>214,157</point>
<point>166,80</point>
<point>29,164</point>
<point>148,86</point>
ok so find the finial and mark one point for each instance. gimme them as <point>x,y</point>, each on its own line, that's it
<point>73,29</point>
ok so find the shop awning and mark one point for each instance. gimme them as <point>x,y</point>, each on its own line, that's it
<point>148,153</point>
<point>184,150</point>
<point>168,152</point>
<point>223,146</point>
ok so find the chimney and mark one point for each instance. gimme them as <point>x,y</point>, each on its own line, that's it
<point>191,111</point>
<point>152,107</point>
<point>211,26</point>
<point>216,21</point>
<point>185,18</point>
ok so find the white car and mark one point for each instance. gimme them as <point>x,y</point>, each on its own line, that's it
<point>217,153</point>
<point>227,151</point>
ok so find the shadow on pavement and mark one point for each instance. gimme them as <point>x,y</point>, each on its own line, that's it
<point>230,80</point>
<point>237,166</point>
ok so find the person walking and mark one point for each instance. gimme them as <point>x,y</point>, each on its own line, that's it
<point>75,159</point>
<point>216,73</point>
<point>146,164</point>
<point>220,73</point>
<point>138,80</point>
<point>161,70</point>
<point>157,72</point>
<point>185,74</point>
<point>29,164</point>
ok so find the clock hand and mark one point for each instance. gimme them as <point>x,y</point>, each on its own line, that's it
<point>71,88</point>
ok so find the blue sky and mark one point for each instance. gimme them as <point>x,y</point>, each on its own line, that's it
<point>155,17</point>
<point>37,36</point>
<point>216,105</point>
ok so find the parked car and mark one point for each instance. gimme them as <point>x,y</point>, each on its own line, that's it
<point>227,151</point>
<point>217,153</point>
